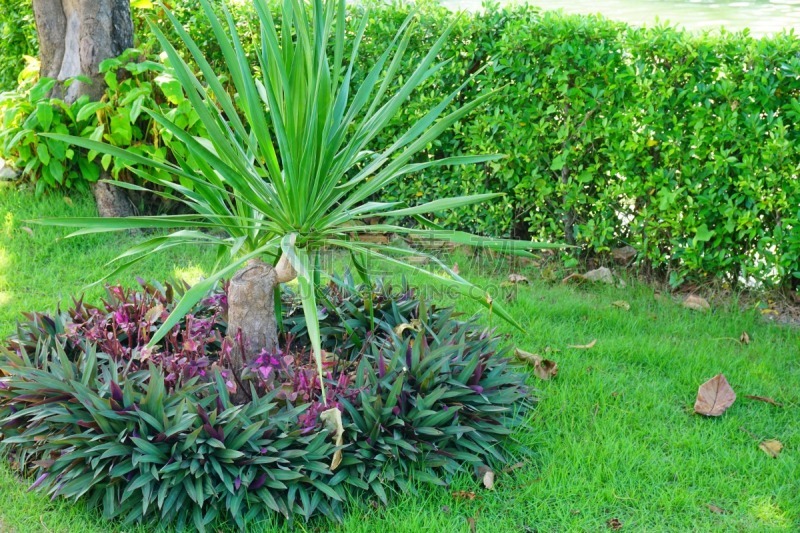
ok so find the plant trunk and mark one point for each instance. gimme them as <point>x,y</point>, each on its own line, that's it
<point>75,36</point>
<point>251,315</point>
<point>252,325</point>
<point>111,200</point>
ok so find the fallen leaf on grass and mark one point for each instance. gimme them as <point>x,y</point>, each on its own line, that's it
<point>764,399</point>
<point>68,201</point>
<point>714,397</point>
<point>544,369</point>
<point>714,509</point>
<point>583,346</point>
<point>473,528</point>
<point>696,303</point>
<point>513,467</point>
<point>622,304</point>
<point>745,338</point>
<point>772,447</point>
<point>464,495</point>
<point>614,523</point>
<point>27,230</point>
<point>486,475</point>
<point>517,278</point>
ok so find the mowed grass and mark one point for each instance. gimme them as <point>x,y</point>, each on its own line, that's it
<point>613,437</point>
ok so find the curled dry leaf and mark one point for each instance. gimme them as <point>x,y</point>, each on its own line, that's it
<point>517,278</point>
<point>464,495</point>
<point>154,313</point>
<point>622,304</point>
<point>27,230</point>
<point>473,527</point>
<point>772,447</point>
<point>332,418</point>
<point>544,369</point>
<point>414,325</point>
<point>714,397</point>
<point>487,476</point>
<point>696,303</point>
<point>764,399</point>
<point>513,467</point>
<point>744,338</point>
<point>614,523</point>
<point>583,346</point>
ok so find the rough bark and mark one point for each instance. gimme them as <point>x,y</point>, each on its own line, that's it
<point>251,311</point>
<point>111,201</point>
<point>252,324</point>
<point>75,36</point>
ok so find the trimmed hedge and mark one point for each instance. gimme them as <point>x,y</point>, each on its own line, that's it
<point>683,146</point>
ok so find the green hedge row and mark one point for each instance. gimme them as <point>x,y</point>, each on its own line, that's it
<point>683,146</point>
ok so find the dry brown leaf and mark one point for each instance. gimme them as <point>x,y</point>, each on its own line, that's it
<point>473,527</point>
<point>332,418</point>
<point>764,399</point>
<point>487,476</point>
<point>614,523</point>
<point>27,230</point>
<point>772,447</point>
<point>745,338</point>
<point>714,509</point>
<point>696,303</point>
<point>154,313</point>
<point>513,467</point>
<point>464,495</point>
<point>517,278</point>
<point>544,369</point>
<point>583,346</point>
<point>622,304</point>
<point>414,325</point>
<point>714,397</point>
<point>455,268</point>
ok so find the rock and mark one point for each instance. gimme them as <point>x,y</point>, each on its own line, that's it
<point>7,173</point>
<point>601,274</point>
<point>624,255</point>
<point>696,303</point>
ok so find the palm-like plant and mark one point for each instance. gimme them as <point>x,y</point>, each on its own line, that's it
<point>288,167</point>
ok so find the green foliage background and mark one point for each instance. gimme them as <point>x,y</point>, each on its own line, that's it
<point>683,146</point>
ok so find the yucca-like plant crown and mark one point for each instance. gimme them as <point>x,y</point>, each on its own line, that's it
<point>289,165</point>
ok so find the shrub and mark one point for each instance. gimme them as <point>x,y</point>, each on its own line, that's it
<point>18,35</point>
<point>88,413</point>
<point>135,82</point>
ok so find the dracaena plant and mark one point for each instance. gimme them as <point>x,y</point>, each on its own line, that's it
<point>288,167</point>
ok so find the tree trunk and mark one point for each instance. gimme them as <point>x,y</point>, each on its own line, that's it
<point>75,36</point>
<point>251,312</point>
<point>252,324</point>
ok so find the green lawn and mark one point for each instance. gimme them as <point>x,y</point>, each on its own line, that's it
<point>614,435</point>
